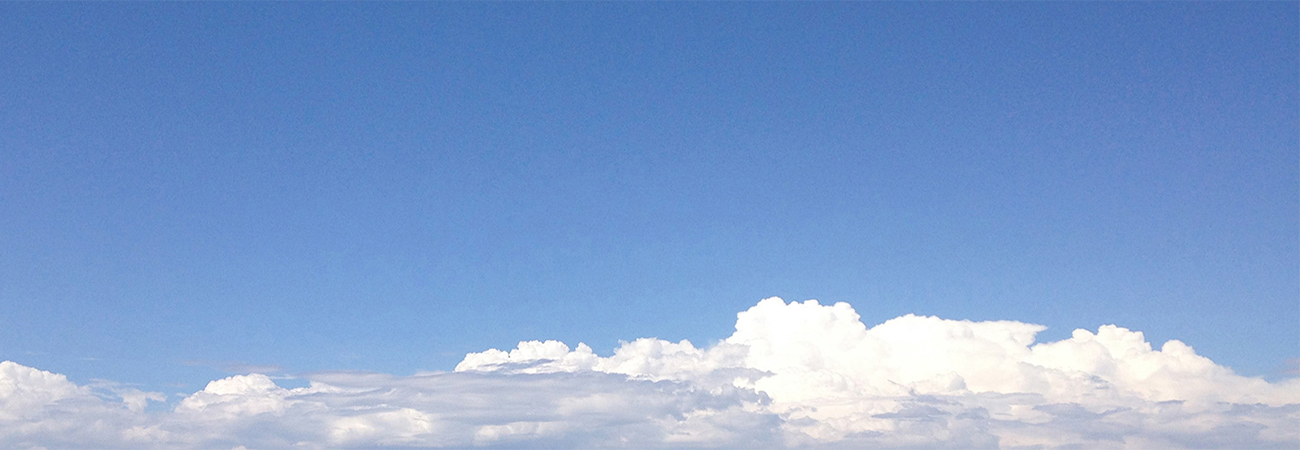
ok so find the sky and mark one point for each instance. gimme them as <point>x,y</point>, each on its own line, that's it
<point>300,194</point>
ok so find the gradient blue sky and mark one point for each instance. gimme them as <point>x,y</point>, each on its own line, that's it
<point>186,188</point>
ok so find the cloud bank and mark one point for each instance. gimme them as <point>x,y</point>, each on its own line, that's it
<point>801,375</point>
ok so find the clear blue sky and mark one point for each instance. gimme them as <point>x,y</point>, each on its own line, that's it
<point>187,187</point>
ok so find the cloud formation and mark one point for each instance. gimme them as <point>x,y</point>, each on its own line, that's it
<point>792,375</point>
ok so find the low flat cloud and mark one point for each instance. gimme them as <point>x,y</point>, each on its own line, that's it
<point>800,375</point>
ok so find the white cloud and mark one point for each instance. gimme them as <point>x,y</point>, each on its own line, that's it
<point>926,381</point>
<point>24,390</point>
<point>43,409</point>
<point>792,375</point>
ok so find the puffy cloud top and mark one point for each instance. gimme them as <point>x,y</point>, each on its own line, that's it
<point>807,350</point>
<point>238,396</point>
<point>24,390</point>
<point>830,376</point>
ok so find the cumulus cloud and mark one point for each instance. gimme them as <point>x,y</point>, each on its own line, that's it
<point>792,375</point>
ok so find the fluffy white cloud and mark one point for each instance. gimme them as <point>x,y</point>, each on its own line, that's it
<point>792,375</point>
<point>928,381</point>
<point>40,409</point>
<point>24,390</point>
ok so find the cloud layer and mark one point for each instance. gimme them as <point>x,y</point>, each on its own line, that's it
<point>792,375</point>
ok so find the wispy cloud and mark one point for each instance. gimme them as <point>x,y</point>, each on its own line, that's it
<point>1292,366</point>
<point>792,375</point>
<point>235,366</point>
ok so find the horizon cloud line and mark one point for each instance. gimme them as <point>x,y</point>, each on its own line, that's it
<point>798,374</point>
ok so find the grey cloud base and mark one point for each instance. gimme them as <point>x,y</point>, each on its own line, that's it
<point>793,375</point>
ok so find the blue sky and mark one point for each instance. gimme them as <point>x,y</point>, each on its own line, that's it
<point>188,190</point>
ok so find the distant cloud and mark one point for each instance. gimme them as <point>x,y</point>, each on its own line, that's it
<point>235,366</point>
<point>1292,366</point>
<point>792,375</point>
